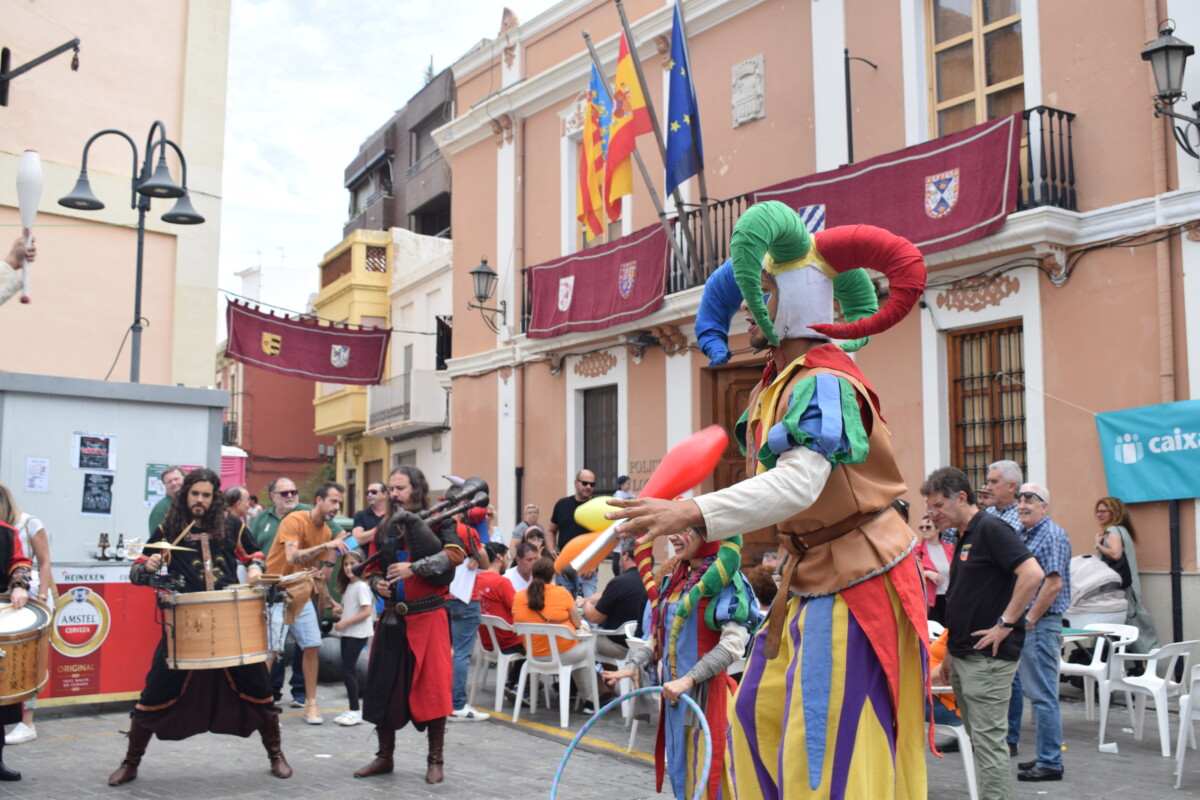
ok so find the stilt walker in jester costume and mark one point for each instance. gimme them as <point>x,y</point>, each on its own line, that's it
<point>831,704</point>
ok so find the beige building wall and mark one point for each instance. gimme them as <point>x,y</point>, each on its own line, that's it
<point>152,61</point>
<point>1122,330</point>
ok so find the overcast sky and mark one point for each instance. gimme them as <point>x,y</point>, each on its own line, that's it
<point>309,81</point>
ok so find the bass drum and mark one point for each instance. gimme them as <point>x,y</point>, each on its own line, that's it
<point>212,630</point>
<point>24,650</point>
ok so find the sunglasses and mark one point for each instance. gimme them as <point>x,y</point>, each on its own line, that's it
<point>288,493</point>
<point>375,491</point>
<point>587,483</point>
<point>925,527</point>
<point>1029,497</point>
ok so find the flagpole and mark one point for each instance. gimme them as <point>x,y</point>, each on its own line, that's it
<point>662,215</point>
<point>658,137</point>
<point>710,239</point>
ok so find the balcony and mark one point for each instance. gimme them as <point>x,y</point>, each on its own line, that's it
<point>1047,177</point>
<point>406,405</point>
<point>339,409</point>
<point>229,430</point>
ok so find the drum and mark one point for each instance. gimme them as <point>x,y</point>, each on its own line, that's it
<point>24,650</point>
<point>211,630</point>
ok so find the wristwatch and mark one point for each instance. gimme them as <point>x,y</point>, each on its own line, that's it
<point>1002,622</point>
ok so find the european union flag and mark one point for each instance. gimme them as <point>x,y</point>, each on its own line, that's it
<point>685,154</point>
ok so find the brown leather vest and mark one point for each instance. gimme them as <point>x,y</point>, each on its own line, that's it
<point>853,493</point>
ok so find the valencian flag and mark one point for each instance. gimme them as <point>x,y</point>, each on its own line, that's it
<point>629,120</point>
<point>589,196</point>
<point>305,348</point>
<point>685,153</point>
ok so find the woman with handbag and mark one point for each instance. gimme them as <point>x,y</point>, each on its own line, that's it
<point>1115,545</point>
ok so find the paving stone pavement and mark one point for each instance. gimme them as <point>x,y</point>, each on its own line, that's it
<point>78,747</point>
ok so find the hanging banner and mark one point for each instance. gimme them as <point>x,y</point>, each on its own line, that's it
<point>938,194</point>
<point>595,289</point>
<point>1152,452</point>
<point>305,348</point>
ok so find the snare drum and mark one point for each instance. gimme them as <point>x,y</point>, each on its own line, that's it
<point>24,650</point>
<point>211,630</point>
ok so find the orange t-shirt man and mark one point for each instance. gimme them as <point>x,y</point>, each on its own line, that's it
<point>297,527</point>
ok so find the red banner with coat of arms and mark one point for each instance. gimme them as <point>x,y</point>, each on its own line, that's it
<point>595,289</point>
<point>306,348</point>
<point>938,195</point>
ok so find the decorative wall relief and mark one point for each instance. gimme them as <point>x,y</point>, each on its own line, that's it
<point>749,96</point>
<point>595,365</point>
<point>977,297</point>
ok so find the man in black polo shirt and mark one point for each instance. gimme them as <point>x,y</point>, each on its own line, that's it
<point>623,600</point>
<point>992,580</point>
<point>563,528</point>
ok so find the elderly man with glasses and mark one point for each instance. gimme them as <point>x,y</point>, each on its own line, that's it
<point>1043,631</point>
<point>563,528</point>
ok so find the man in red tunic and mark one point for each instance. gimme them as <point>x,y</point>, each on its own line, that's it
<point>409,673</point>
<point>15,581</point>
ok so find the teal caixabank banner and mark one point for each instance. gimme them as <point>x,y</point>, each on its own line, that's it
<point>1152,452</point>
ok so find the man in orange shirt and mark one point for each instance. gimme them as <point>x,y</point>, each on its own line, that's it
<point>304,541</point>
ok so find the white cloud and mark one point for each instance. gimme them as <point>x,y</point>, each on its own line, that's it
<point>308,83</point>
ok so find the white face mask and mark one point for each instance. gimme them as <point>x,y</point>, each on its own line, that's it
<point>805,298</point>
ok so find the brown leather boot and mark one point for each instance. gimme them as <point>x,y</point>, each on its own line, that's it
<point>272,739</point>
<point>139,737</point>
<point>437,738</point>
<point>383,759</point>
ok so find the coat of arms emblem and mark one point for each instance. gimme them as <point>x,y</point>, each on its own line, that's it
<point>626,275</point>
<point>272,343</point>
<point>941,194</point>
<point>566,291</point>
<point>339,355</point>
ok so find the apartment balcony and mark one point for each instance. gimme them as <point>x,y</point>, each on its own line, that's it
<point>340,409</point>
<point>406,405</point>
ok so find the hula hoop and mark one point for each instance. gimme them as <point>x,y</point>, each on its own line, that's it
<point>701,785</point>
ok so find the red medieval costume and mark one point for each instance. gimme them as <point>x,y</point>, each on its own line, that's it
<point>15,575</point>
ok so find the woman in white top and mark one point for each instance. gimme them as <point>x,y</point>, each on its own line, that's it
<point>36,544</point>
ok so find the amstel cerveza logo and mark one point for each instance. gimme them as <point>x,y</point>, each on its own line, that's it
<point>81,622</point>
<point>272,343</point>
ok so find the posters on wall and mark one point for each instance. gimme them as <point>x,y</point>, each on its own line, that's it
<point>37,474</point>
<point>93,451</point>
<point>97,494</point>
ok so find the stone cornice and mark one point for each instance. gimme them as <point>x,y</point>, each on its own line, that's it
<point>563,81</point>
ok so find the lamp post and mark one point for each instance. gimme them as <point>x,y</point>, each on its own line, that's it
<point>1168,56</point>
<point>484,280</point>
<point>144,185</point>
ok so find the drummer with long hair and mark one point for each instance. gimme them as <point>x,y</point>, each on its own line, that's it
<point>409,673</point>
<point>177,704</point>
<point>15,581</point>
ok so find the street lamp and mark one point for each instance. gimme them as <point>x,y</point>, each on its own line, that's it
<point>484,279</point>
<point>145,184</point>
<point>1168,56</point>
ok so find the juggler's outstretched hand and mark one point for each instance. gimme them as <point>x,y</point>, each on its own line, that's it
<point>649,518</point>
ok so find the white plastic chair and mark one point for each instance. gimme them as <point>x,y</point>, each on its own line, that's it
<point>1187,712</point>
<point>935,629</point>
<point>532,667</point>
<point>959,732</point>
<point>1148,684</point>
<point>489,626</point>
<point>1115,640</point>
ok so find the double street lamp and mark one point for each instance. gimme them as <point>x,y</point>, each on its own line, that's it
<point>145,184</point>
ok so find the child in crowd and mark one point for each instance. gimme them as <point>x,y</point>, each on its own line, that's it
<point>355,628</point>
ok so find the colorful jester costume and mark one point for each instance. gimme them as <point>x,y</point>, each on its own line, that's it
<point>700,623</point>
<point>831,701</point>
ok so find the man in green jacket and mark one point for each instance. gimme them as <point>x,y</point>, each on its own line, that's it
<point>172,478</point>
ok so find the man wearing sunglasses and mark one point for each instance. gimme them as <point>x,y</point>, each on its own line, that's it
<point>368,519</point>
<point>1038,666</point>
<point>563,528</point>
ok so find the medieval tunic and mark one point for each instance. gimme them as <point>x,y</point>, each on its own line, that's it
<point>838,712</point>
<point>177,704</point>
<point>13,557</point>
<point>409,671</point>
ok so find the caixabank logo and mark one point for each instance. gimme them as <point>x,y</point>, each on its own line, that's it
<point>1129,449</point>
<point>81,622</point>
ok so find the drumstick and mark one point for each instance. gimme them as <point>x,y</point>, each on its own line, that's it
<point>29,193</point>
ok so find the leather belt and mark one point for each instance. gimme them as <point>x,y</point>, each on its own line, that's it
<point>430,602</point>
<point>797,546</point>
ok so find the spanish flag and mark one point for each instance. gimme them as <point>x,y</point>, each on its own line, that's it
<point>629,119</point>
<point>589,194</point>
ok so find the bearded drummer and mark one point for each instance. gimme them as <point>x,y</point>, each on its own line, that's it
<point>15,581</point>
<point>177,704</point>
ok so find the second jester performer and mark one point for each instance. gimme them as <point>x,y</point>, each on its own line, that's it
<point>831,701</point>
<point>700,623</point>
<point>409,671</point>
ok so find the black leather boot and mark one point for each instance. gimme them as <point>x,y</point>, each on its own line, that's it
<point>6,773</point>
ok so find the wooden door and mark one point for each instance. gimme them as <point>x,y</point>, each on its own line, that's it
<point>731,394</point>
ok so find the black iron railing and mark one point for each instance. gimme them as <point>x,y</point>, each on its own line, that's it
<point>1048,175</point>
<point>229,430</point>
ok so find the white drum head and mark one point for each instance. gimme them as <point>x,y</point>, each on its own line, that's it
<point>25,619</point>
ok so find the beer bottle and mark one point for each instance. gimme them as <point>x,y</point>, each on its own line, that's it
<point>103,555</point>
<point>121,552</point>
